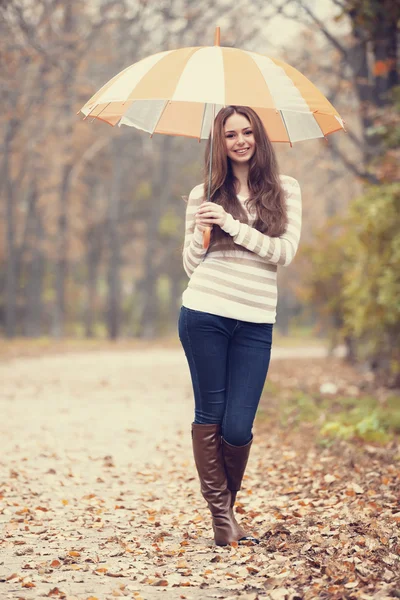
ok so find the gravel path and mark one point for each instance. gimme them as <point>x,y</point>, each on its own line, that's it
<point>99,496</point>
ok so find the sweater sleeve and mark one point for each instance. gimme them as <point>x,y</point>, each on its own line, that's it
<point>193,251</point>
<point>277,250</point>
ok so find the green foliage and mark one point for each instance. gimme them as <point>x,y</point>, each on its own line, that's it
<point>391,137</point>
<point>344,417</point>
<point>357,424</point>
<point>144,191</point>
<point>372,279</point>
<point>323,265</point>
<point>354,277</point>
<point>170,225</point>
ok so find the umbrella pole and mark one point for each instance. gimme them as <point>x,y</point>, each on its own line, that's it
<point>207,231</point>
<point>211,153</point>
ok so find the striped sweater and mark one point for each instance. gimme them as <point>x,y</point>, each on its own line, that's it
<point>240,283</point>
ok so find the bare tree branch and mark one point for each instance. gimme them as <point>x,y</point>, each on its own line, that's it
<point>339,3</point>
<point>335,43</point>
<point>352,167</point>
<point>87,156</point>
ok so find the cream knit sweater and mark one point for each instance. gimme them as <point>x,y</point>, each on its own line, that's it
<point>240,283</point>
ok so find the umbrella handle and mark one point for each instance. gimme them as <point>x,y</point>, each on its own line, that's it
<point>206,237</point>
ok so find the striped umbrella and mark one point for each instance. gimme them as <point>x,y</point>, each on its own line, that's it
<point>179,92</point>
<point>174,92</point>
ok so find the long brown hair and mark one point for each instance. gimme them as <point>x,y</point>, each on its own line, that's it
<point>266,199</point>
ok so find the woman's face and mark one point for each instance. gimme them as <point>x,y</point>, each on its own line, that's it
<point>239,138</point>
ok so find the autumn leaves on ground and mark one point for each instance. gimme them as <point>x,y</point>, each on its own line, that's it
<point>100,499</point>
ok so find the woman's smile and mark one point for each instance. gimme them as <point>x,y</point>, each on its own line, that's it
<point>241,150</point>
<point>239,138</point>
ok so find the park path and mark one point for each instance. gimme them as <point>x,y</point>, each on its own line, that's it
<point>100,498</point>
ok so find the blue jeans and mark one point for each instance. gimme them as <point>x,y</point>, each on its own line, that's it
<point>228,361</point>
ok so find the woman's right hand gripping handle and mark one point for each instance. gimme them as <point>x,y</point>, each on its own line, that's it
<point>206,231</point>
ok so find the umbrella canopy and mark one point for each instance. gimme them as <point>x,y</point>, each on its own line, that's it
<point>175,92</point>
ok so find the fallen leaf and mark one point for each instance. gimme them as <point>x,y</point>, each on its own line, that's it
<point>357,489</point>
<point>216,558</point>
<point>252,570</point>
<point>351,585</point>
<point>161,582</point>
<point>55,563</point>
<point>55,592</point>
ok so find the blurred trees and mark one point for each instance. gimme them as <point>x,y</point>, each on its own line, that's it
<point>354,265</point>
<point>92,218</point>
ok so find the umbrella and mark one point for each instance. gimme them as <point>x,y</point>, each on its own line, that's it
<point>179,92</point>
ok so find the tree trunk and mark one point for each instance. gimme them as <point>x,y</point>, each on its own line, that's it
<point>114,265</point>
<point>62,255</point>
<point>11,253</point>
<point>381,32</point>
<point>90,313</point>
<point>93,257</point>
<point>158,201</point>
<point>385,54</point>
<point>175,300</point>
<point>34,289</point>
<point>67,119</point>
<point>358,57</point>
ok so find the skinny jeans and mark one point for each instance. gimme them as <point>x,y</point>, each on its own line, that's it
<point>228,361</point>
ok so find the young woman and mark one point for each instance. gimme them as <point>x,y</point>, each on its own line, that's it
<point>229,305</point>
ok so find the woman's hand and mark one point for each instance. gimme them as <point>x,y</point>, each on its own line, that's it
<point>209,214</point>
<point>201,227</point>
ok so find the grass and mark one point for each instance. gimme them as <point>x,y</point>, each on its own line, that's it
<point>364,417</point>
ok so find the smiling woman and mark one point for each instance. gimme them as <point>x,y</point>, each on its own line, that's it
<point>229,305</point>
<point>244,165</point>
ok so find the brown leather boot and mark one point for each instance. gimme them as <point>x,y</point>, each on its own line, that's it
<point>207,452</point>
<point>235,461</point>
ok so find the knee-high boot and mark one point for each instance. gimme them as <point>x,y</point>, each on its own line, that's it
<point>235,461</point>
<point>207,450</point>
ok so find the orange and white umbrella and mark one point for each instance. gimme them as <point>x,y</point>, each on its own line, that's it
<point>176,92</point>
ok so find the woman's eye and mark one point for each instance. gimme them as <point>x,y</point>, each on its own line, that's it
<point>249,132</point>
<point>230,135</point>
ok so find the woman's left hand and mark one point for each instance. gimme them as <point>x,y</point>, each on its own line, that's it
<point>210,213</point>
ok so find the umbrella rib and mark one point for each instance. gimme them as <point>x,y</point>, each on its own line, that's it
<point>286,127</point>
<point>89,113</point>
<point>159,118</point>
<point>202,120</point>
<point>315,111</point>
<point>104,108</point>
